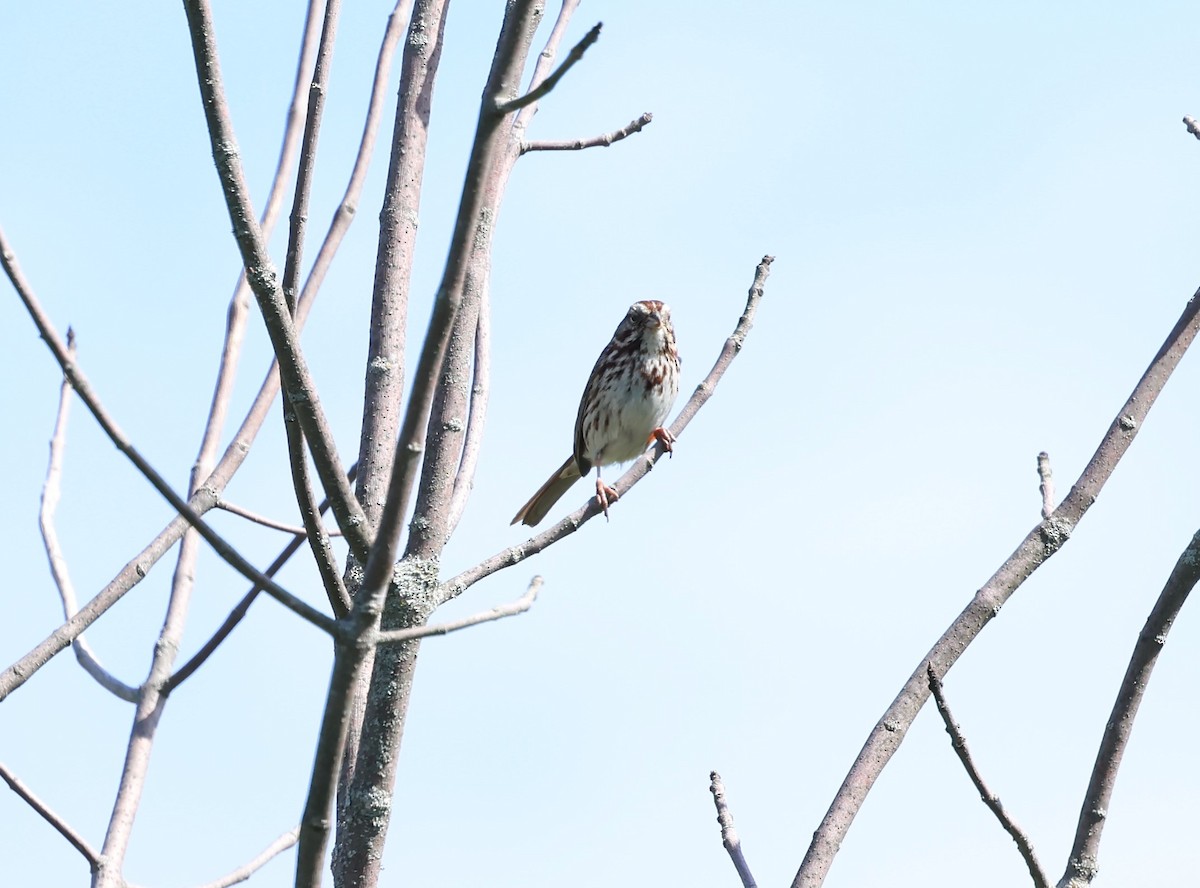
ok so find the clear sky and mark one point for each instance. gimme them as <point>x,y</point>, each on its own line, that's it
<point>984,223</point>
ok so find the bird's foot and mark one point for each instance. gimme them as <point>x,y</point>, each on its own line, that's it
<point>664,437</point>
<point>604,496</point>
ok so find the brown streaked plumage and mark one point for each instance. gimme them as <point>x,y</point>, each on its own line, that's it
<point>627,397</point>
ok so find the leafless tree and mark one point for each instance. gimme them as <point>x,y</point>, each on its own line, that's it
<point>417,455</point>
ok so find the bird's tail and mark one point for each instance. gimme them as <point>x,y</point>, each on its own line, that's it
<point>550,493</point>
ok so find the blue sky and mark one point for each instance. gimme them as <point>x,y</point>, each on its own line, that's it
<point>983,222</point>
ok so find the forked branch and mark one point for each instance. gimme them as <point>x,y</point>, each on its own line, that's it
<point>1038,545</point>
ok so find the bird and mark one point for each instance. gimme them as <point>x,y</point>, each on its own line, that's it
<point>628,395</point>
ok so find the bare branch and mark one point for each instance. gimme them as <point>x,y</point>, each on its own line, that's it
<point>641,467</point>
<point>1192,126</point>
<point>601,141</point>
<point>51,492</point>
<point>481,385</point>
<point>241,512</point>
<point>242,873</point>
<point>1082,866</point>
<point>314,530</point>
<point>1038,545</point>
<point>729,836</point>
<point>264,282</point>
<point>47,813</point>
<point>550,82</point>
<point>84,389</point>
<point>959,742</point>
<point>384,384</point>
<point>522,604</point>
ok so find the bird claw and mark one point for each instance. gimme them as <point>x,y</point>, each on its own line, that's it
<point>604,496</point>
<point>664,437</point>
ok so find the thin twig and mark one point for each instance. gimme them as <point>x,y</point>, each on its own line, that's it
<point>1047,483</point>
<point>242,512</point>
<point>318,540</point>
<point>242,873</point>
<point>1038,545</point>
<point>729,836</point>
<point>959,742</point>
<point>51,492</point>
<point>481,385</point>
<point>601,141</point>
<point>522,604</point>
<point>298,385</point>
<point>83,388</point>
<point>242,607</point>
<point>48,814</point>
<point>1082,865</point>
<point>550,82</point>
<point>641,467</point>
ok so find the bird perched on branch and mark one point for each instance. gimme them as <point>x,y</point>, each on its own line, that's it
<point>627,397</point>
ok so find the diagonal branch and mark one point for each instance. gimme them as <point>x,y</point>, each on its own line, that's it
<point>522,604</point>
<point>51,491</point>
<point>641,467</point>
<point>47,813</point>
<point>84,389</point>
<point>601,141</point>
<point>1038,545</point>
<point>242,873</point>
<point>959,742</point>
<point>1082,868</point>
<point>550,82</point>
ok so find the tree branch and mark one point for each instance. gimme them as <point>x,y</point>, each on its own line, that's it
<point>47,813</point>
<point>550,82</point>
<point>729,836</point>
<point>1082,866</point>
<point>1038,545</point>
<point>51,492</point>
<point>522,604</point>
<point>601,141</point>
<point>242,873</point>
<point>263,520</point>
<point>641,467</point>
<point>959,742</point>
<point>384,383</point>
